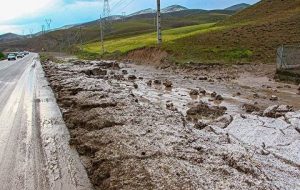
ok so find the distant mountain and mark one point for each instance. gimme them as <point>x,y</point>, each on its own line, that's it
<point>173,8</point>
<point>238,7</point>
<point>170,9</point>
<point>141,12</point>
<point>8,37</point>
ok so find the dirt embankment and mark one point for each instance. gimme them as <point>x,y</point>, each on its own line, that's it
<point>128,140</point>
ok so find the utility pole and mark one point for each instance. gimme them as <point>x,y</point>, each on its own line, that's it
<point>80,30</point>
<point>43,29</point>
<point>159,37</point>
<point>30,32</point>
<point>101,34</point>
<point>123,16</point>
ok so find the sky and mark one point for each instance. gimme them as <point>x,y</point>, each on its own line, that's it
<point>28,16</point>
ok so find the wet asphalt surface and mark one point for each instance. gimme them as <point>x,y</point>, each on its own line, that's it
<point>32,153</point>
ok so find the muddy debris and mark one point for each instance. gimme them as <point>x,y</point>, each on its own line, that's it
<point>136,86</point>
<point>124,72</point>
<point>149,83</point>
<point>168,83</point>
<point>157,82</point>
<point>274,98</point>
<point>249,108</point>
<point>200,125</point>
<point>213,94</point>
<point>219,98</point>
<point>203,110</point>
<point>127,140</point>
<point>132,77</point>
<point>194,92</point>
<point>203,78</point>
<point>202,91</point>
<point>277,111</point>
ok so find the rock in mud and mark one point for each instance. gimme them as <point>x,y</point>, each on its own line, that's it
<point>219,98</point>
<point>149,83</point>
<point>95,72</point>
<point>170,106</point>
<point>132,77</point>
<point>124,72</point>
<point>202,110</point>
<point>200,125</point>
<point>157,82</point>
<point>249,108</point>
<point>194,92</point>
<point>135,86</point>
<point>255,95</point>
<point>223,121</point>
<point>203,78</point>
<point>274,98</point>
<point>202,91</point>
<point>277,111</point>
<point>213,95</point>
<point>168,83</point>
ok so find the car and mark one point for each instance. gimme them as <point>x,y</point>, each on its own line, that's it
<point>11,56</point>
<point>20,55</point>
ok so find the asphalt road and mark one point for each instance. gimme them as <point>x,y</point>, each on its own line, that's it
<point>34,149</point>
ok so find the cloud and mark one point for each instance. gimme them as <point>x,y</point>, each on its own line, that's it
<point>17,9</point>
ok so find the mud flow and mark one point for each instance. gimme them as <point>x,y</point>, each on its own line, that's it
<point>139,127</point>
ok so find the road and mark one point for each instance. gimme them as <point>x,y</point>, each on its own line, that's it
<point>34,148</point>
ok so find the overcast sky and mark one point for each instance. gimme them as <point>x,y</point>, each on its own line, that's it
<point>19,16</point>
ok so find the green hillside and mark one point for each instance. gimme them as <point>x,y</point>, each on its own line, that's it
<point>250,35</point>
<point>65,40</point>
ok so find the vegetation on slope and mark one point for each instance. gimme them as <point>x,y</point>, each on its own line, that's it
<point>2,56</point>
<point>250,35</point>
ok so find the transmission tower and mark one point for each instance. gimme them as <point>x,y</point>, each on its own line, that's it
<point>48,22</point>
<point>106,17</point>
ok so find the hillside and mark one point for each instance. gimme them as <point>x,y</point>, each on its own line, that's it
<point>10,37</point>
<point>251,35</point>
<point>238,7</point>
<point>131,26</point>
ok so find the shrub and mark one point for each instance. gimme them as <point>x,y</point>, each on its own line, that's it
<point>2,56</point>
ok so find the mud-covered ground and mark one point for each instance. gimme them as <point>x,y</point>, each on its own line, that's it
<point>136,127</point>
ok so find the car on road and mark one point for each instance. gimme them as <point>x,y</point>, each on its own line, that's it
<point>11,56</point>
<point>20,55</point>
